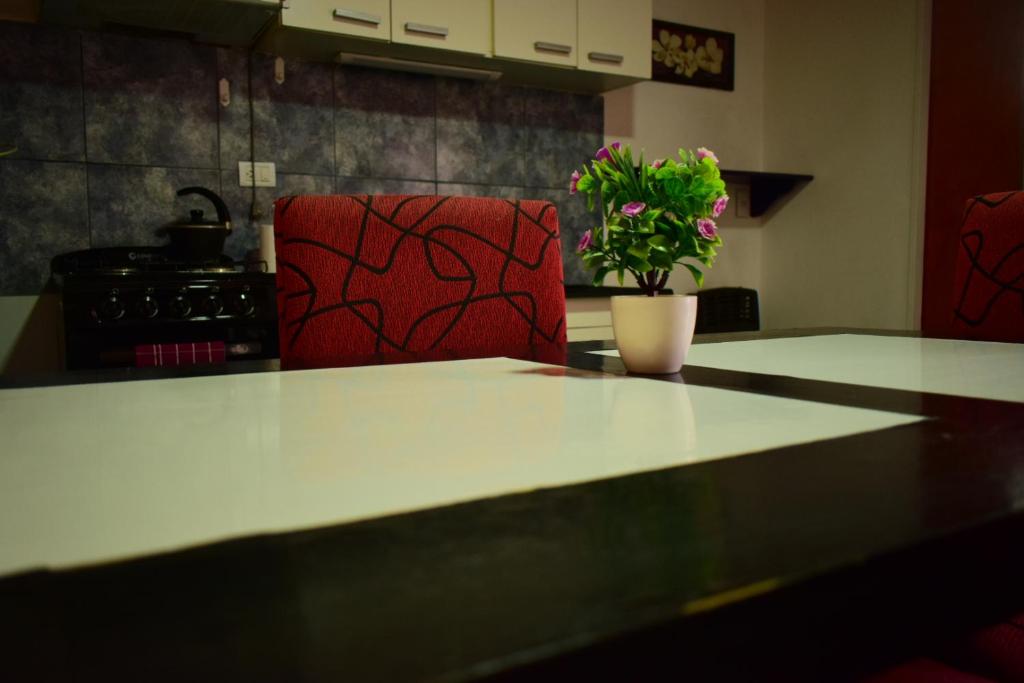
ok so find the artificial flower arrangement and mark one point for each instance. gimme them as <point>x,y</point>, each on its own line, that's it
<point>656,215</point>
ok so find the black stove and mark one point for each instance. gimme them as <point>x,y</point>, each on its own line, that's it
<point>116,299</point>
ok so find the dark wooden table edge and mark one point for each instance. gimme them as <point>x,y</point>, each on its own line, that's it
<point>914,580</point>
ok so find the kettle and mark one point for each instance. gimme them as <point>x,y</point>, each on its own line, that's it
<point>199,240</point>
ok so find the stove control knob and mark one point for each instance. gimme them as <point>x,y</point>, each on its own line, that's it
<point>147,307</point>
<point>180,306</point>
<point>244,305</point>
<point>213,305</point>
<point>110,307</point>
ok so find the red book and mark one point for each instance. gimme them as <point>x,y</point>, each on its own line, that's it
<point>189,353</point>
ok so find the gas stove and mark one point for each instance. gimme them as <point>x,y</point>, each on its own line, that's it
<point>115,300</point>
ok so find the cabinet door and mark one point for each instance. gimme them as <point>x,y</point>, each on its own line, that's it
<point>362,18</point>
<point>615,37</point>
<point>462,25</point>
<point>536,30</point>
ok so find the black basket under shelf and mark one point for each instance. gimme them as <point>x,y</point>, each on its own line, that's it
<point>727,309</point>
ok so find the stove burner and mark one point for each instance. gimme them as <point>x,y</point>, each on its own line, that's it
<point>138,260</point>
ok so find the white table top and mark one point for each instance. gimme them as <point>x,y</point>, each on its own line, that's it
<point>942,366</point>
<point>96,472</point>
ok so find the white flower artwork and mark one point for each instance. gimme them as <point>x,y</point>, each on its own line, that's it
<point>691,55</point>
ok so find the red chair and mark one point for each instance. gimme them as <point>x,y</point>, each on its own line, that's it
<point>989,294</point>
<point>365,279</point>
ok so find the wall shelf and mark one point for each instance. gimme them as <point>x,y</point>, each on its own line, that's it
<point>767,190</point>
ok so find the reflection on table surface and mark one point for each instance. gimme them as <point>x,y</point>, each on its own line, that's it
<point>103,471</point>
<point>942,366</point>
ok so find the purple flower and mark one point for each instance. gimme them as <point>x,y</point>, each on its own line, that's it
<point>720,205</point>
<point>573,179</point>
<point>705,153</point>
<point>604,155</point>
<point>657,163</point>
<point>633,209</point>
<point>585,242</point>
<point>707,228</point>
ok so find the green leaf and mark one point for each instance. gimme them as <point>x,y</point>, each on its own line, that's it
<point>639,250</point>
<point>599,275</point>
<point>661,260</point>
<point>659,242</point>
<point>697,275</point>
<point>621,272</point>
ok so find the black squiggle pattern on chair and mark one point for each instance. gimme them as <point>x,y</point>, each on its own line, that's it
<point>308,238</point>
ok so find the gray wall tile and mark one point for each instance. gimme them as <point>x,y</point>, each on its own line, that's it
<point>148,101</point>
<point>42,213</point>
<point>384,124</point>
<point>234,122</point>
<point>293,121</point>
<point>473,190</point>
<point>383,186</point>
<point>239,200</point>
<point>128,204</point>
<point>562,130</point>
<point>573,221</point>
<point>480,134</point>
<point>145,112</point>
<point>41,92</point>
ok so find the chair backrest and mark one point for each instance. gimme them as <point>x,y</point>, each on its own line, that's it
<point>988,298</point>
<point>359,275</point>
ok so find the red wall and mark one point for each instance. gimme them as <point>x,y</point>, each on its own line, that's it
<point>975,130</point>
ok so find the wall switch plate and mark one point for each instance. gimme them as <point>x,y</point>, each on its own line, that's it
<point>266,174</point>
<point>263,172</point>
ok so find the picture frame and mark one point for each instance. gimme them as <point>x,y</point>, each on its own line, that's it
<point>691,55</point>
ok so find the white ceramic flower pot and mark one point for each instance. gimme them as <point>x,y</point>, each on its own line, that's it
<point>653,333</point>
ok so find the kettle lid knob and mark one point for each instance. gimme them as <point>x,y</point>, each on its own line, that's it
<point>197,215</point>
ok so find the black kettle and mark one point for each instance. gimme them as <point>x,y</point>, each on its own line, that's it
<point>199,240</point>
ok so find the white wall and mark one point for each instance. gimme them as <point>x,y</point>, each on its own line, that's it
<point>830,88</point>
<point>846,100</point>
<point>662,117</point>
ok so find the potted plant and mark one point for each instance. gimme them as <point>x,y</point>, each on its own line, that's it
<point>657,216</point>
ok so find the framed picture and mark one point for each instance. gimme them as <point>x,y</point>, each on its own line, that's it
<point>690,55</point>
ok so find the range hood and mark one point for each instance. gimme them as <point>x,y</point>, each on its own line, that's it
<point>222,22</point>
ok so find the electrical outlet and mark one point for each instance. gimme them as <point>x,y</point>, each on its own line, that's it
<point>263,172</point>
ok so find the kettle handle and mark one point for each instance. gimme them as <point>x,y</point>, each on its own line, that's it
<point>223,215</point>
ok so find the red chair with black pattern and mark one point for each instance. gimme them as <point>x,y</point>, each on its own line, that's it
<point>370,279</point>
<point>988,299</point>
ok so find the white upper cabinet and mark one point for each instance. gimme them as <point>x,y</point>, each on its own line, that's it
<point>536,30</point>
<point>460,25</point>
<point>615,37</point>
<point>360,18</point>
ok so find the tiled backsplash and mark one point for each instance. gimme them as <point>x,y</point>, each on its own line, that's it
<point>109,126</point>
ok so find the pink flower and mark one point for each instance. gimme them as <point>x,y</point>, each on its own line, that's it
<point>585,242</point>
<point>657,163</point>
<point>720,205</point>
<point>707,228</point>
<point>705,153</point>
<point>573,179</point>
<point>633,209</point>
<point>604,155</point>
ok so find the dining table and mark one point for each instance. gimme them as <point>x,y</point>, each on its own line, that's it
<point>814,504</point>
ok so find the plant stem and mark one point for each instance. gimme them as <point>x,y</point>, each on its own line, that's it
<point>662,281</point>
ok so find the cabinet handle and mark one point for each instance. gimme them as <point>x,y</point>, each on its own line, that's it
<point>413,27</point>
<point>605,57</point>
<point>552,47</point>
<point>354,15</point>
